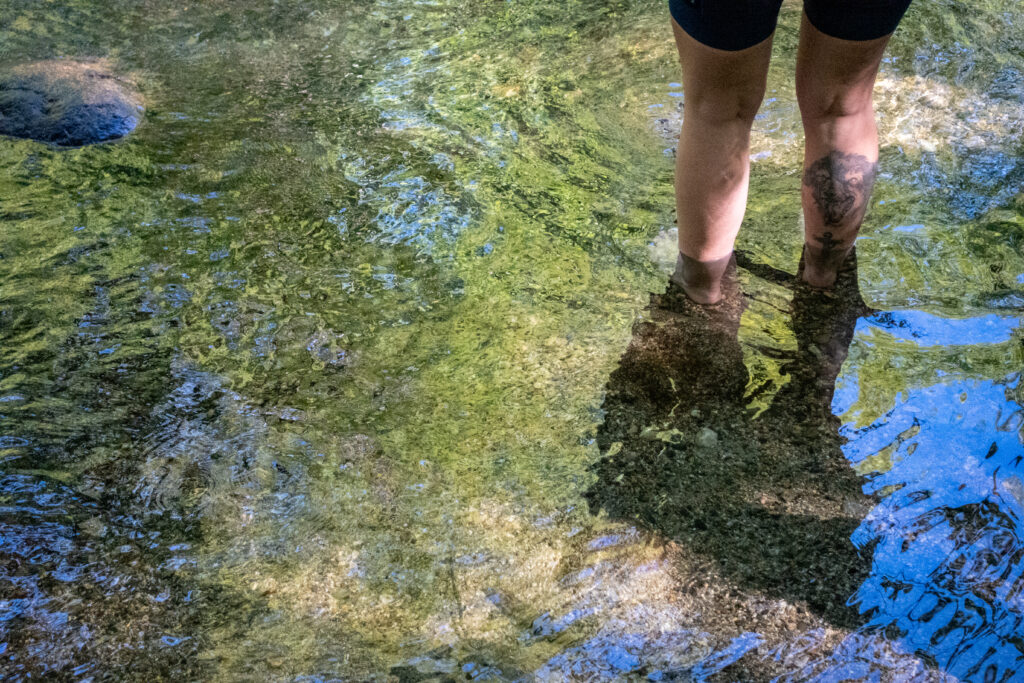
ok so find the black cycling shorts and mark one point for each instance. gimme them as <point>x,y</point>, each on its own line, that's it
<point>739,24</point>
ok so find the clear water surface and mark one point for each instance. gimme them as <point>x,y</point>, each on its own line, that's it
<point>346,365</point>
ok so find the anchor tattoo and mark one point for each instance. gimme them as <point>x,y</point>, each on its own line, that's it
<point>828,243</point>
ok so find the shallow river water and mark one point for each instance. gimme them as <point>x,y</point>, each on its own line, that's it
<point>353,362</point>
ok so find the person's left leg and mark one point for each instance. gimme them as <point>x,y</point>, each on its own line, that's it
<point>835,77</point>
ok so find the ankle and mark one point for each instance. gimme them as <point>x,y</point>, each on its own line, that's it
<point>819,267</point>
<point>702,280</point>
<point>819,277</point>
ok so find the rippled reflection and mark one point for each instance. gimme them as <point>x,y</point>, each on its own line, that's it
<point>947,577</point>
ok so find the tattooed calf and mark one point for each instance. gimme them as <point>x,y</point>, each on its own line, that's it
<point>840,184</point>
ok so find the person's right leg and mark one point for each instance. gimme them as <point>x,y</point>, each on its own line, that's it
<point>723,90</point>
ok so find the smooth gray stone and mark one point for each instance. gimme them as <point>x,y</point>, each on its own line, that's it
<point>67,103</point>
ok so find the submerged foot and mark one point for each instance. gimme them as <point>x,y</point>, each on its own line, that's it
<point>686,353</point>
<point>704,281</point>
<point>819,267</point>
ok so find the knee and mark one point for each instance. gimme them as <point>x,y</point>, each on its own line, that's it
<point>724,106</point>
<point>823,102</point>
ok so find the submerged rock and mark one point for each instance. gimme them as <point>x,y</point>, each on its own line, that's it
<point>67,103</point>
<point>708,438</point>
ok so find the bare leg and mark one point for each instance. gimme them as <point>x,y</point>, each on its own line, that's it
<point>723,91</point>
<point>834,82</point>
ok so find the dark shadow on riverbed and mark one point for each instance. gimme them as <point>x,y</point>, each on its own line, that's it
<point>769,498</point>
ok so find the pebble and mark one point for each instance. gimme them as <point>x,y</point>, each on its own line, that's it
<point>707,438</point>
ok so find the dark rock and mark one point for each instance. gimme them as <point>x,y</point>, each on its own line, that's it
<point>67,103</point>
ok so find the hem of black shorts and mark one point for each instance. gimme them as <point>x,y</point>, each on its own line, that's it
<point>719,47</point>
<point>852,40</point>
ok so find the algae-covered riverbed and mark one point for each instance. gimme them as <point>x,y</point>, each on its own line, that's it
<point>352,362</point>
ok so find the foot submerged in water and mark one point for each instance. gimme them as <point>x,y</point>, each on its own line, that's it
<point>820,266</point>
<point>704,281</point>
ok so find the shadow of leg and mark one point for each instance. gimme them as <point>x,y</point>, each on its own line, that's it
<point>771,502</point>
